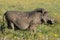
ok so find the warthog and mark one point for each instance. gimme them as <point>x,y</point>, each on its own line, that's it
<point>27,20</point>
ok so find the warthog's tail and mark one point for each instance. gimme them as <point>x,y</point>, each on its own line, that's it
<point>2,26</point>
<point>3,20</point>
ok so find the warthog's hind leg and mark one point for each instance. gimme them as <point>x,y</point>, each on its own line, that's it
<point>12,25</point>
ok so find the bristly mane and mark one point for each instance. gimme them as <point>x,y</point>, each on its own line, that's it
<point>39,10</point>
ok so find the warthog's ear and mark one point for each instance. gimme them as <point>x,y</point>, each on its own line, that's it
<point>45,13</point>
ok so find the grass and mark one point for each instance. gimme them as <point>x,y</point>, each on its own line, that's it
<point>44,32</point>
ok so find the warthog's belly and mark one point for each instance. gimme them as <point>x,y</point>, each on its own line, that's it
<point>22,24</point>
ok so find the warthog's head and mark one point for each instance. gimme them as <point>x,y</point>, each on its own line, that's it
<point>46,18</point>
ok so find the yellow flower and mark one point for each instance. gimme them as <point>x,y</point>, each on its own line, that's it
<point>15,37</point>
<point>55,35</point>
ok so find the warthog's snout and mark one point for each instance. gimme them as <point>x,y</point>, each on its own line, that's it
<point>50,21</point>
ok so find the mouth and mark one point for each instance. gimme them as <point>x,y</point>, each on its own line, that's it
<point>50,22</point>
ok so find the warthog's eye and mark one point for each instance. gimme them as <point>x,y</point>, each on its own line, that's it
<point>42,21</point>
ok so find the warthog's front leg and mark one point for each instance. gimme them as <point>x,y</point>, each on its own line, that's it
<point>32,27</point>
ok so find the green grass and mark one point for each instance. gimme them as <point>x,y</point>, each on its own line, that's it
<point>44,32</point>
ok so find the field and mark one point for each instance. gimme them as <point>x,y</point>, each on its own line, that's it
<point>44,32</point>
